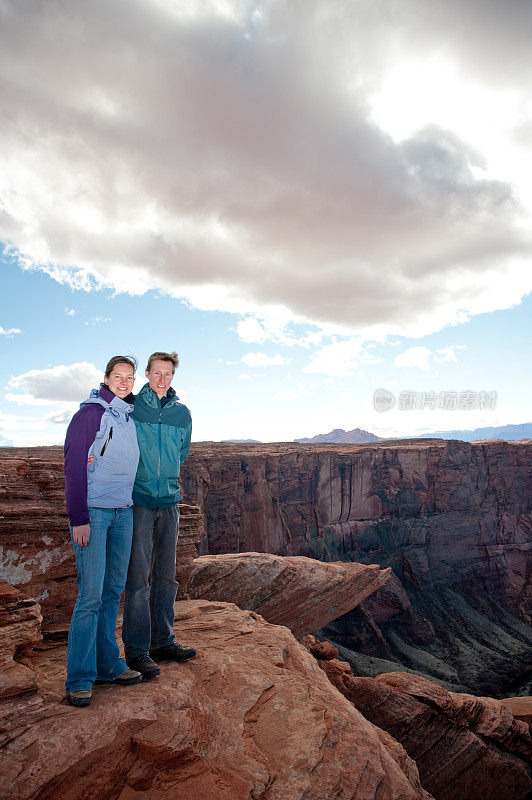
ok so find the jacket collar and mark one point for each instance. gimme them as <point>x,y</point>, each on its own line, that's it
<point>113,400</point>
<point>150,397</point>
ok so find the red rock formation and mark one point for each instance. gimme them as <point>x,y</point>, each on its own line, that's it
<point>440,511</point>
<point>36,554</point>
<point>464,746</point>
<point>301,593</point>
<point>521,708</point>
<point>20,621</point>
<point>251,716</point>
<point>453,520</point>
<point>35,550</point>
<point>190,533</point>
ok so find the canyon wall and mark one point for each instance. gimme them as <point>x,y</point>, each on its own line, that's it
<point>452,519</point>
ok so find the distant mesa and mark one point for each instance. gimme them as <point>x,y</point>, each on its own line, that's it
<point>242,441</point>
<point>509,433</point>
<point>339,436</point>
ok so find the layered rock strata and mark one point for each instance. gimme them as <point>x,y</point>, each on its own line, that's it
<point>252,716</point>
<point>452,519</point>
<point>295,591</point>
<point>36,553</point>
<point>464,746</point>
<point>20,629</point>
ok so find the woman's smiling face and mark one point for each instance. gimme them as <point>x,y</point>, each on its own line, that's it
<point>121,379</point>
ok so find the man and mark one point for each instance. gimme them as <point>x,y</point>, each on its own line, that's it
<point>164,428</point>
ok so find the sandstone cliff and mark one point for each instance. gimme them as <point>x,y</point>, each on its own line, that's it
<point>252,716</point>
<point>452,519</point>
<point>295,591</point>
<point>464,746</point>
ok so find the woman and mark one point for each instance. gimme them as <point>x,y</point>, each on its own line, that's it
<point>100,512</point>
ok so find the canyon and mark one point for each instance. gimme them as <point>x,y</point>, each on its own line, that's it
<point>410,559</point>
<point>452,520</point>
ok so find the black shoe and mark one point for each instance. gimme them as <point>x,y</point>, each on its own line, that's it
<point>173,652</point>
<point>145,665</point>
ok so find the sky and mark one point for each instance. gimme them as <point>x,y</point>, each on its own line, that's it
<point>309,201</point>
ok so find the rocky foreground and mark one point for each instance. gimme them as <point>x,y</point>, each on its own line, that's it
<point>252,717</point>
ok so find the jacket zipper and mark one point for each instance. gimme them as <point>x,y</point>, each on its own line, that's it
<point>159,461</point>
<point>107,440</point>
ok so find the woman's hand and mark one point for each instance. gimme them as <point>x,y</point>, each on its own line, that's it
<point>81,534</point>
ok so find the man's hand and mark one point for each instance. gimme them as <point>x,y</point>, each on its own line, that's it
<point>81,534</point>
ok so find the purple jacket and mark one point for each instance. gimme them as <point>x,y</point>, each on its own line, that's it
<point>102,428</point>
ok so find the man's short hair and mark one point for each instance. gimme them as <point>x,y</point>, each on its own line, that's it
<point>172,357</point>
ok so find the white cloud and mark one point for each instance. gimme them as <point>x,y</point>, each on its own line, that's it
<point>244,376</point>
<point>263,360</point>
<point>444,354</point>
<point>70,312</point>
<point>97,320</point>
<point>420,357</point>
<point>20,431</point>
<point>62,417</point>
<point>341,358</point>
<point>9,332</point>
<point>65,384</point>
<point>275,329</point>
<point>232,154</point>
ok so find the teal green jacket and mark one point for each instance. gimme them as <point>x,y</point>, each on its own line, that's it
<point>163,434</point>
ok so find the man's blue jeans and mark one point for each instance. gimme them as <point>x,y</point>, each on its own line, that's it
<point>102,569</point>
<point>149,604</point>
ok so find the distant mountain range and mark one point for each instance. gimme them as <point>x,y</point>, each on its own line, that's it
<point>359,436</point>
<point>242,441</point>
<point>339,436</point>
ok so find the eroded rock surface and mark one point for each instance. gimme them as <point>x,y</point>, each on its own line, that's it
<point>464,746</point>
<point>453,520</point>
<point>295,591</point>
<point>36,553</point>
<point>252,716</point>
<point>20,629</point>
<point>521,708</point>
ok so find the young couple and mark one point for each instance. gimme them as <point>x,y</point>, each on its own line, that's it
<point>122,460</point>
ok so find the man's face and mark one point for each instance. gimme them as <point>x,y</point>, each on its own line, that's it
<point>160,376</point>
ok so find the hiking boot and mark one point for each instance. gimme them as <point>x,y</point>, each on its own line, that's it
<point>173,652</point>
<point>80,697</point>
<point>145,665</point>
<point>128,678</point>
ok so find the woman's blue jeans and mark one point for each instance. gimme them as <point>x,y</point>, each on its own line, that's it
<point>93,651</point>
